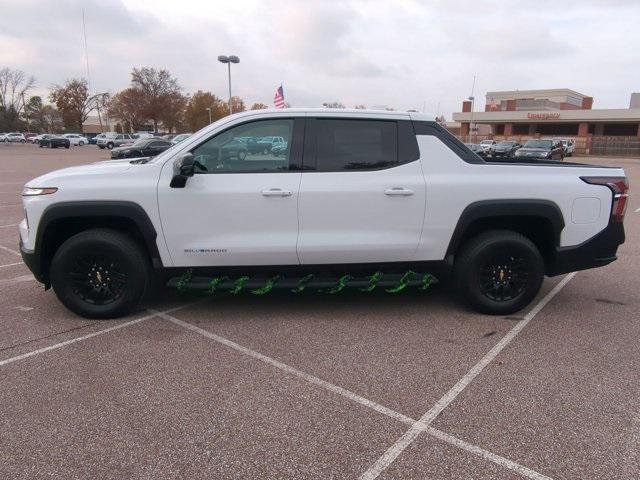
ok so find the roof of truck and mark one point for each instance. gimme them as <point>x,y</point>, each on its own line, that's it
<point>341,112</point>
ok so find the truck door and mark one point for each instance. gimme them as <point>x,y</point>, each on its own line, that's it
<point>362,195</point>
<point>241,210</point>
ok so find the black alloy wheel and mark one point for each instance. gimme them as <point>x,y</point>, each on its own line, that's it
<point>98,279</point>
<point>503,277</point>
<point>100,273</point>
<point>498,272</point>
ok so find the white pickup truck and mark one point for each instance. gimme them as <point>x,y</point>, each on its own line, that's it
<point>357,194</point>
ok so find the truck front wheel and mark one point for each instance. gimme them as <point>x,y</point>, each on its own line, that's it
<point>499,272</point>
<point>100,273</point>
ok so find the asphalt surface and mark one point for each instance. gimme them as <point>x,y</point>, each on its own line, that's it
<point>383,386</point>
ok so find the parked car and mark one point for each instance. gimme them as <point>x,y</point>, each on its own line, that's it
<point>505,149</point>
<point>141,135</point>
<point>3,136</point>
<point>569,146</point>
<point>475,148</point>
<point>168,137</point>
<point>54,141</point>
<point>111,140</point>
<point>36,139</point>
<point>344,211</point>
<point>180,138</point>
<point>29,135</point>
<point>486,145</point>
<point>543,149</point>
<point>146,147</point>
<point>94,140</point>
<point>15,137</point>
<point>77,139</point>
<point>279,149</point>
<point>265,144</point>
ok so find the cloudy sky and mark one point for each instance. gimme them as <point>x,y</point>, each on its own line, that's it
<point>401,53</point>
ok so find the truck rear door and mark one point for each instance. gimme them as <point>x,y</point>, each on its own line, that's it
<point>362,194</point>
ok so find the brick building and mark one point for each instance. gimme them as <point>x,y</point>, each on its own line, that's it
<point>561,112</point>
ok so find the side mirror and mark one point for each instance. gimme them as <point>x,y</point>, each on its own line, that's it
<point>183,168</point>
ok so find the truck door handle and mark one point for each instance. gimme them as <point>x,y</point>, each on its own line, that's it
<point>277,192</point>
<point>405,192</point>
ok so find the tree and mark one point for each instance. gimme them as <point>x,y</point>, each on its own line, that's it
<point>360,107</point>
<point>42,118</point>
<point>73,102</point>
<point>157,90</point>
<point>172,117</point>
<point>196,114</point>
<point>259,106</point>
<point>14,85</point>
<point>237,105</point>
<point>127,107</point>
<point>333,105</point>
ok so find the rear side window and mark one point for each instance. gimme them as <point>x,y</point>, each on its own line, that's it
<point>355,144</point>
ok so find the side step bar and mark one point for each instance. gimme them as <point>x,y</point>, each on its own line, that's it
<point>258,284</point>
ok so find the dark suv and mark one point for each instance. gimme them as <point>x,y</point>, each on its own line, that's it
<point>505,149</point>
<point>541,149</point>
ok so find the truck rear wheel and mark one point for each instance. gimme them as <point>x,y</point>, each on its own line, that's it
<point>499,272</point>
<point>100,273</point>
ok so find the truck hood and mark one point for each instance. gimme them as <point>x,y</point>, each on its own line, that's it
<point>97,168</point>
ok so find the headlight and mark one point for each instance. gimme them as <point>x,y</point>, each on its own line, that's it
<point>30,192</point>
<point>544,154</point>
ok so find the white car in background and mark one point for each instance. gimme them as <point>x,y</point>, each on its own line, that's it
<point>487,145</point>
<point>15,138</point>
<point>180,138</point>
<point>77,139</point>
<point>36,139</point>
<point>569,146</point>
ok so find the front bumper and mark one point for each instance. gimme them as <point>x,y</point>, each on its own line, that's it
<point>598,251</point>
<point>32,260</point>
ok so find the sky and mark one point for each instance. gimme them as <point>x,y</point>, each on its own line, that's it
<point>406,54</point>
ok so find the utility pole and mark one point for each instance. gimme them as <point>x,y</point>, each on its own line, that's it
<point>472,98</point>
<point>26,113</point>
<point>229,60</point>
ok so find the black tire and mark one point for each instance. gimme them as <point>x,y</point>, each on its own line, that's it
<point>101,147</point>
<point>109,145</point>
<point>81,143</point>
<point>66,146</point>
<point>498,272</point>
<point>23,141</point>
<point>94,256</point>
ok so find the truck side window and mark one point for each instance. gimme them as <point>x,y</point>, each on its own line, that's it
<point>259,146</point>
<point>356,144</point>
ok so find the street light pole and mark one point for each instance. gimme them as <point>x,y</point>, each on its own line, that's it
<point>229,60</point>
<point>209,110</point>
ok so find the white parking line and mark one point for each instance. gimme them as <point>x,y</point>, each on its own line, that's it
<point>20,279</point>
<point>11,225</point>
<point>410,435</point>
<point>90,335</point>
<point>450,439</point>
<point>10,250</point>
<point>638,210</point>
<point>11,264</point>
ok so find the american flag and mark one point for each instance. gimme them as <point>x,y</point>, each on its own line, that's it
<point>278,98</point>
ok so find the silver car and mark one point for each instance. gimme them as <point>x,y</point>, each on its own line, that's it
<point>111,140</point>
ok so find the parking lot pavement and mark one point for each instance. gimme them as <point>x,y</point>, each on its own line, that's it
<point>170,404</point>
<point>318,386</point>
<point>396,351</point>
